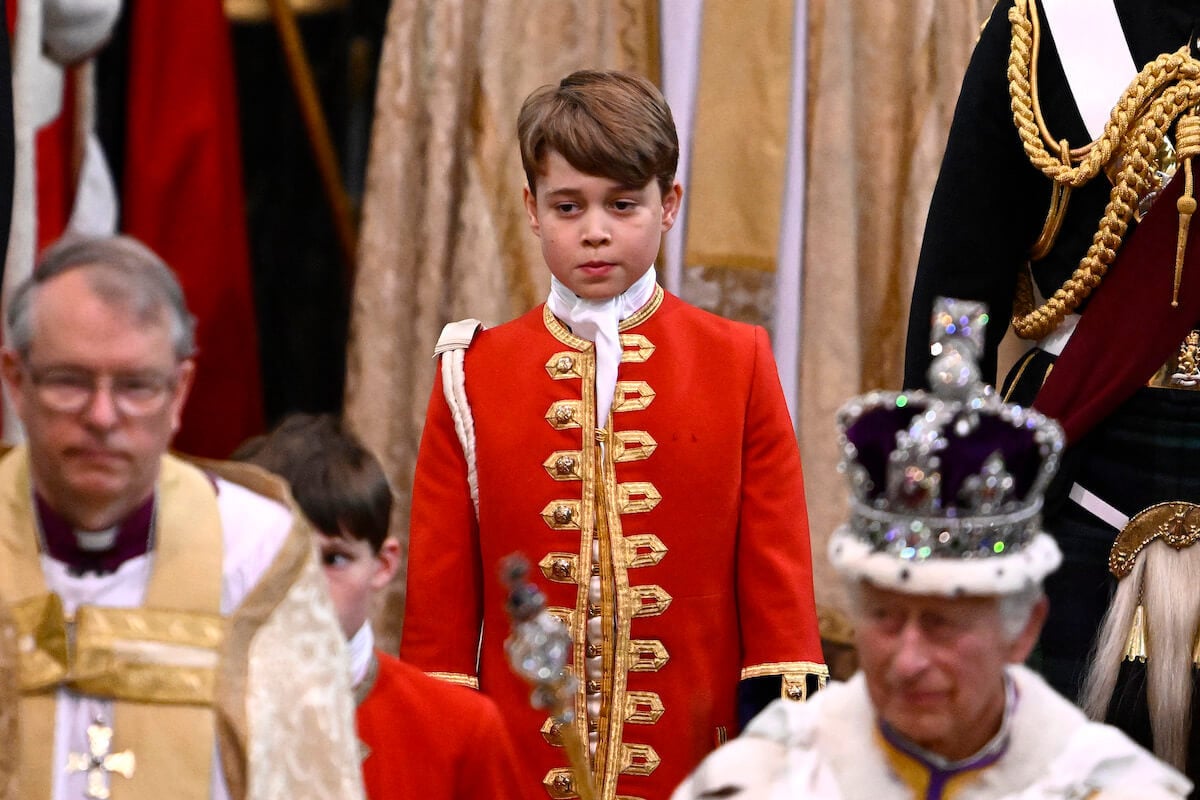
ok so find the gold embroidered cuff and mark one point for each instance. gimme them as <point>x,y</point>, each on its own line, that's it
<point>459,678</point>
<point>795,676</point>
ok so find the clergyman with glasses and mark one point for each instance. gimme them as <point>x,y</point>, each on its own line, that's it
<point>164,631</point>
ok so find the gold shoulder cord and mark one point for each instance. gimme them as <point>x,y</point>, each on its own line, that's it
<point>1165,89</point>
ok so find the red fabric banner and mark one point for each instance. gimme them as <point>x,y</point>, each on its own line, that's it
<point>183,196</point>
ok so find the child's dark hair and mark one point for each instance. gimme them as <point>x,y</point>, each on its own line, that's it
<point>613,124</point>
<point>337,482</point>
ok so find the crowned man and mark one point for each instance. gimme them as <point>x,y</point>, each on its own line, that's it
<point>944,558</point>
<point>164,628</point>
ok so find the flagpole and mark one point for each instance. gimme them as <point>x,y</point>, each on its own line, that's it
<point>304,85</point>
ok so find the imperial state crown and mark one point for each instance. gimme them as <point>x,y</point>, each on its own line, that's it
<point>946,485</point>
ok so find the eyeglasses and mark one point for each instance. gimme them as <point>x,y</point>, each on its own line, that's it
<point>69,391</point>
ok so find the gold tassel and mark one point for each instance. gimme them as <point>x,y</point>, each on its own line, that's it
<point>1188,133</point>
<point>1135,645</point>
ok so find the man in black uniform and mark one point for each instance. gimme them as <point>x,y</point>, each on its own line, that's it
<point>1036,183</point>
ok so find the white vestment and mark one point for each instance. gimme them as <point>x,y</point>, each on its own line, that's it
<point>828,749</point>
<point>295,735</point>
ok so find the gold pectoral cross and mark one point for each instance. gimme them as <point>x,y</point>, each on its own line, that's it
<point>98,762</point>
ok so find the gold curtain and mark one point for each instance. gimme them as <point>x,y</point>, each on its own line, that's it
<point>739,144</point>
<point>883,80</point>
<point>881,87</point>
<point>443,231</point>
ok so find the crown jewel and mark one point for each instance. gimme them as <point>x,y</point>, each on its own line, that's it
<point>950,474</point>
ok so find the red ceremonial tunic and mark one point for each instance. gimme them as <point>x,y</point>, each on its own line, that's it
<point>697,505</point>
<point>424,738</point>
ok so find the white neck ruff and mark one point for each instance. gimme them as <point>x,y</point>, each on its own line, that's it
<point>598,321</point>
<point>362,650</point>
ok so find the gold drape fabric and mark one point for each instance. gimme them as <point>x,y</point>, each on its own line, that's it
<point>444,234</point>
<point>883,80</point>
<point>739,145</point>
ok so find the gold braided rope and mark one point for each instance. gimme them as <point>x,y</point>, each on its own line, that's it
<point>1130,143</point>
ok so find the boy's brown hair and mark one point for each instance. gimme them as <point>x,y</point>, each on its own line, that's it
<point>613,124</point>
<point>337,482</point>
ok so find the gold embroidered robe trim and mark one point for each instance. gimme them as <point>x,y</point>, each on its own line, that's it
<point>794,676</point>
<point>147,655</point>
<point>41,631</point>
<point>598,513</point>
<point>186,577</point>
<point>143,655</point>
<point>9,694</point>
<point>282,588</point>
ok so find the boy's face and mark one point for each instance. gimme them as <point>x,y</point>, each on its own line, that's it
<point>355,573</point>
<point>598,236</point>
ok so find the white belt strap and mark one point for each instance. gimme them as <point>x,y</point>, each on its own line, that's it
<point>1094,55</point>
<point>1097,507</point>
<point>452,347</point>
<point>1057,340</point>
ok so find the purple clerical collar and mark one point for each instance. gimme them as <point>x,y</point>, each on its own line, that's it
<point>100,552</point>
<point>942,770</point>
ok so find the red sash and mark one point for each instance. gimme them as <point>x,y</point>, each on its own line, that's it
<point>1129,328</point>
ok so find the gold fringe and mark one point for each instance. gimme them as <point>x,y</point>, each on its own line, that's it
<point>1135,645</point>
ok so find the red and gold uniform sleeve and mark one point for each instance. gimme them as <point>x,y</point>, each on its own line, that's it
<point>423,738</point>
<point>777,610</point>
<point>489,770</point>
<point>443,612</point>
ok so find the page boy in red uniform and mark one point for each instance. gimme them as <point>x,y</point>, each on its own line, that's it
<point>421,737</point>
<point>637,450</point>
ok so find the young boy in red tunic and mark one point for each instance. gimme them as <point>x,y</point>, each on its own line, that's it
<point>637,450</point>
<point>420,737</point>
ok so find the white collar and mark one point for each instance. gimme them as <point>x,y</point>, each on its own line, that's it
<point>362,650</point>
<point>567,306</point>
<point>598,321</point>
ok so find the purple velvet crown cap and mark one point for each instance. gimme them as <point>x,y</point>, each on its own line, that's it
<point>950,480</point>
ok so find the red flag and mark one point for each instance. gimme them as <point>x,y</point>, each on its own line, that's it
<point>182,195</point>
<point>55,188</point>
